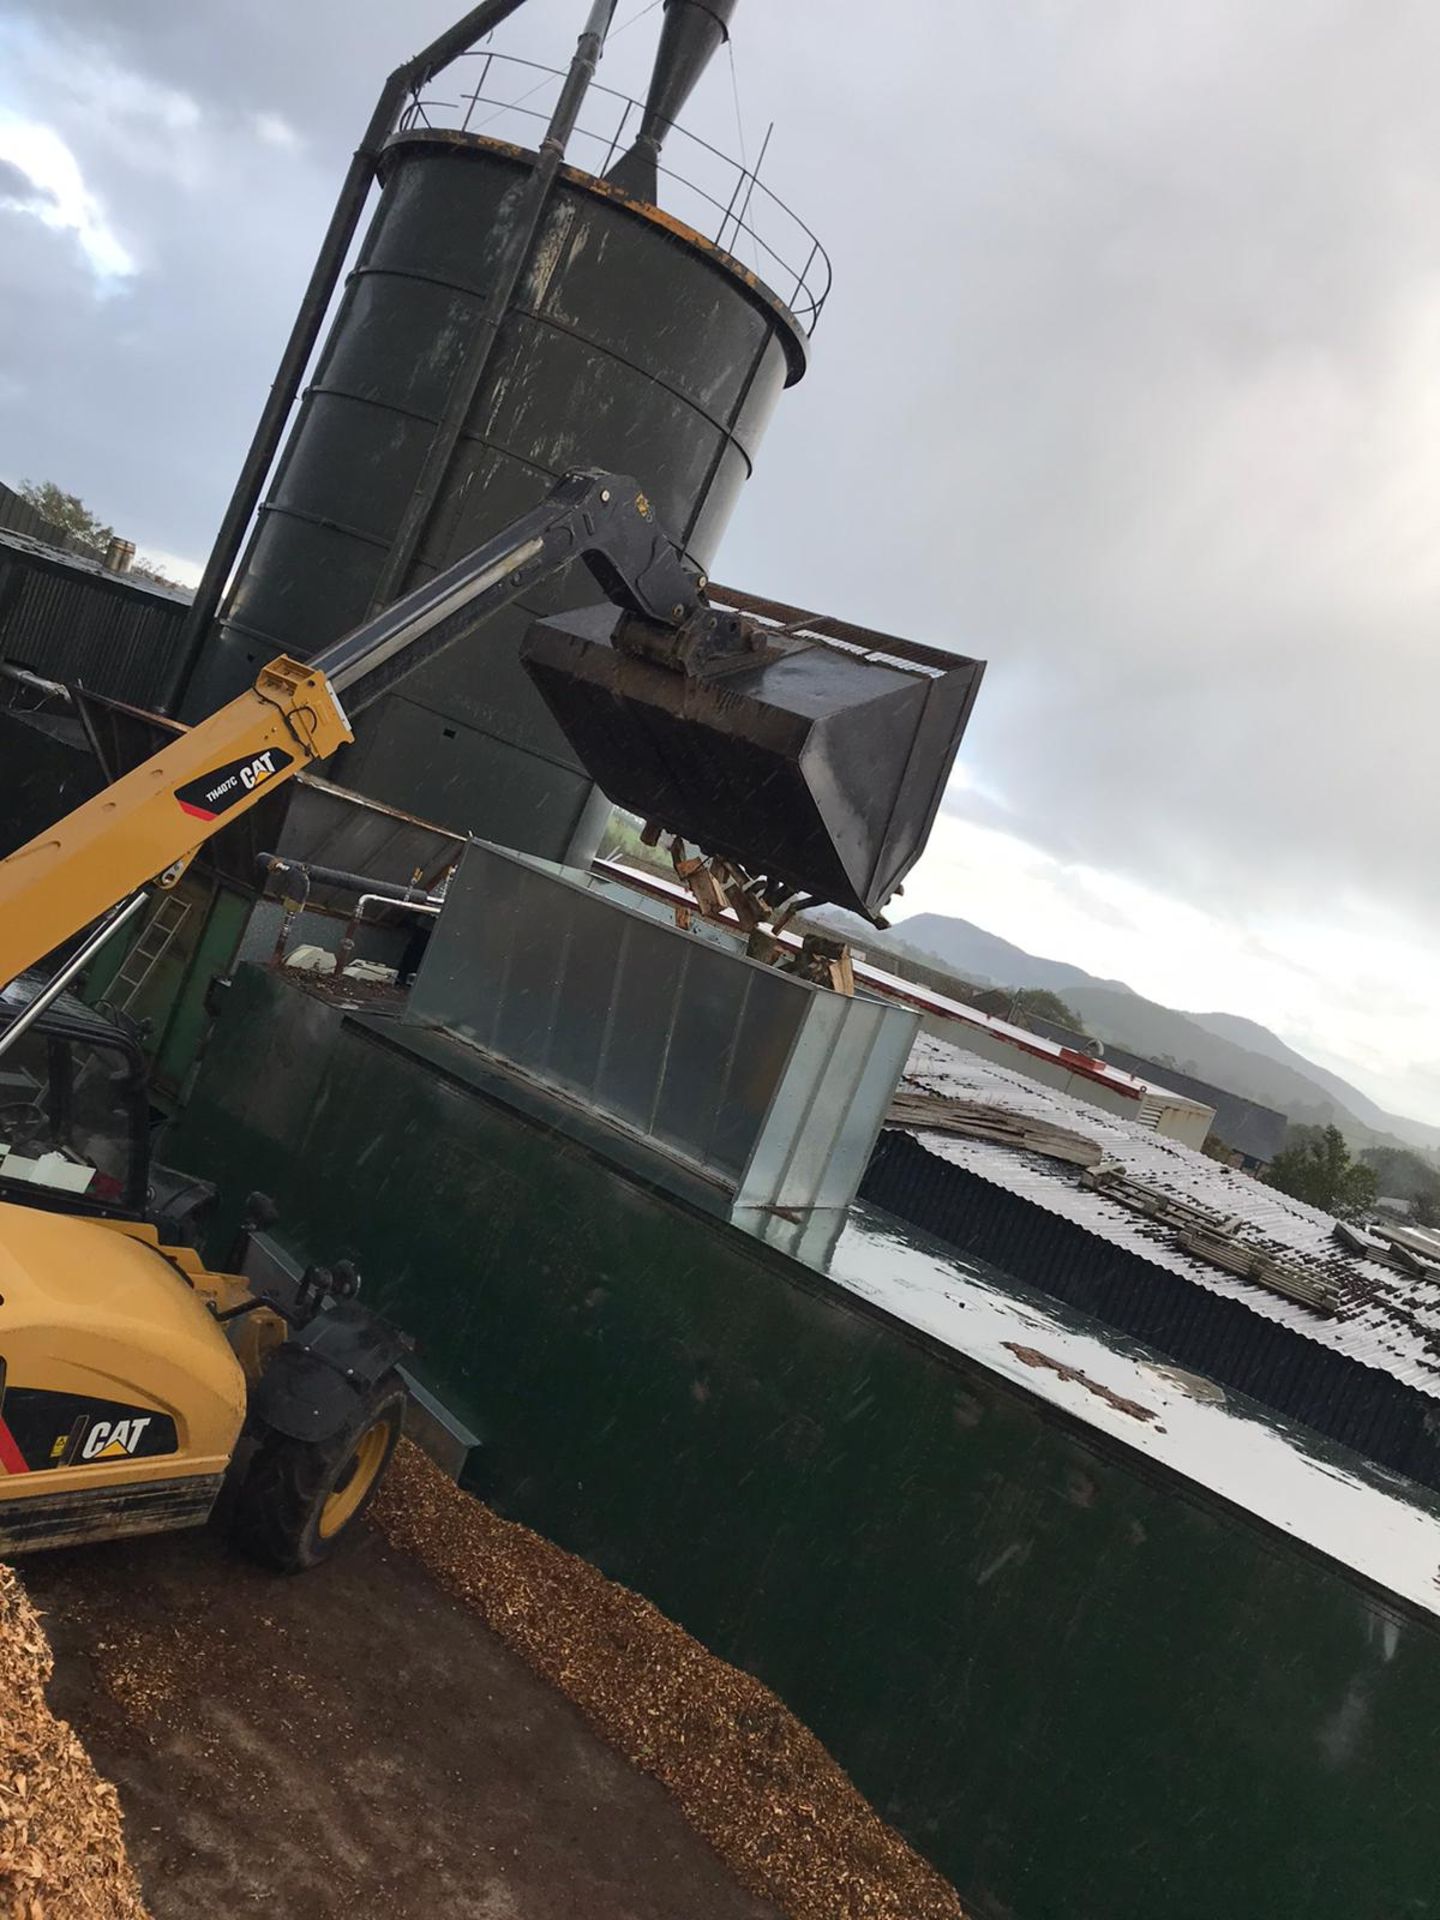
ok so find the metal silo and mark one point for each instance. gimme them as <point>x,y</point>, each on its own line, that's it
<point>490,338</point>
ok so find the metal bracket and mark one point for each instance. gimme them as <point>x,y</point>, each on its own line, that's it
<point>704,645</point>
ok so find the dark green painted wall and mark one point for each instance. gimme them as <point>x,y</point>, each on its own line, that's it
<point>41,779</point>
<point>1080,1686</point>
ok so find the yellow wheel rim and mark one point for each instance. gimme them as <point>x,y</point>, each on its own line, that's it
<point>357,1477</point>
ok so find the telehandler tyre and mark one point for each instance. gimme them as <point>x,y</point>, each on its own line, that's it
<point>300,1499</point>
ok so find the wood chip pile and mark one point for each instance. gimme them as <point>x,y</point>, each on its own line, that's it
<point>62,1853</point>
<point>747,1776</point>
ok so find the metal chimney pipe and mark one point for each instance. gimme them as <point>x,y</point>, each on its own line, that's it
<point>694,31</point>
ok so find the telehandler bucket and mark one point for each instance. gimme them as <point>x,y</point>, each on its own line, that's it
<point>821,765</point>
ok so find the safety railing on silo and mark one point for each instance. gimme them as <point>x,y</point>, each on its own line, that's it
<point>720,197</point>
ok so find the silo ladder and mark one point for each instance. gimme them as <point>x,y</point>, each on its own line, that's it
<point>147,953</point>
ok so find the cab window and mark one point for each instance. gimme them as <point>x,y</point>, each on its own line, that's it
<point>66,1114</point>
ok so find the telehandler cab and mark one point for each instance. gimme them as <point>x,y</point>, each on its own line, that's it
<point>134,1381</point>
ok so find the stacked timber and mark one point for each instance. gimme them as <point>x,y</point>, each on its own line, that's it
<point>982,1120</point>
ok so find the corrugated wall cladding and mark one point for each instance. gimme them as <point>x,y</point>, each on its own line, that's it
<point>1358,1406</point>
<point>67,618</point>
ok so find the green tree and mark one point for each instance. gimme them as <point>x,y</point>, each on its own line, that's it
<point>67,511</point>
<point>1316,1167</point>
<point>1402,1175</point>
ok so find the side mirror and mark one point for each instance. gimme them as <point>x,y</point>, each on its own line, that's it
<point>257,1215</point>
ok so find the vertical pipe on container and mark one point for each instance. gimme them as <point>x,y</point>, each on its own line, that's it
<point>512,265</point>
<point>345,218</point>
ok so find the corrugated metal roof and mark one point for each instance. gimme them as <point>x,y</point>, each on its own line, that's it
<point>1385,1319</point>
<point>42,550</point>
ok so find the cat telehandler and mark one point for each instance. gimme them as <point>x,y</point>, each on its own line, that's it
<point>138,1384</point>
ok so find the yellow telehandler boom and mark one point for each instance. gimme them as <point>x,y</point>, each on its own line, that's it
<point>147,827</point>
<point>813,761</point>
<point>136,1383</point>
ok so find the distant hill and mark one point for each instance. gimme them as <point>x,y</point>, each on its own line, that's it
<point>1154,1030</point>
<point>1249,1033</point>
<point>1226,1049</point>
<point>986,959</point>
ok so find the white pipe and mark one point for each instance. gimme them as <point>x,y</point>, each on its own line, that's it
<point>388,900</point>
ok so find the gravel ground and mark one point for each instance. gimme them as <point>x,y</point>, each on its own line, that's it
<point>745,1773</point>
<point>351,1744</point>
<point>62,1854</point>
<point>411,1731</point>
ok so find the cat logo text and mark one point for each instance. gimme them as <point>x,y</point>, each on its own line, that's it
<point>225,787</point>
<point>113,1439</point>
<point>260,768</point>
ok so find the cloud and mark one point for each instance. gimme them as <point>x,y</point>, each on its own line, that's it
<point>144,406</point>
<point>17,189</point>
<point>42,180</point>
<point>273,130</point>
<point>175,566</point>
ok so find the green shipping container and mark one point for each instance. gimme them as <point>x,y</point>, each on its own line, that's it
<point>1103,1646</point>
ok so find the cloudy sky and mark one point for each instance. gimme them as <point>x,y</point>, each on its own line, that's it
<point>1130,383</point>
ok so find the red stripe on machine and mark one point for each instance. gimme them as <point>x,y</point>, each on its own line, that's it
<point>11,1458</point>
<point>197,813</point>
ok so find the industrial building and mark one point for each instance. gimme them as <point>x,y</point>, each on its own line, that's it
<point>1232,1280</point>
<point>1250,1132</point>
<point>1150,1101</point>
<point>71,615</point>
<point>914,1363</point>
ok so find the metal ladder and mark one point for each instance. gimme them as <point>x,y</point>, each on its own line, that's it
<point>147,953</point>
